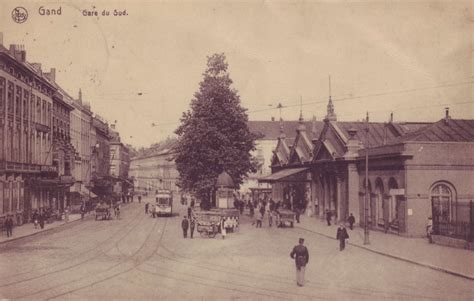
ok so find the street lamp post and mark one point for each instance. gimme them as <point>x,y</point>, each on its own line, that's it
<point>366,199</point>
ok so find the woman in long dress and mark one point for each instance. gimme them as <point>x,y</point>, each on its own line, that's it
<point>223,231</point>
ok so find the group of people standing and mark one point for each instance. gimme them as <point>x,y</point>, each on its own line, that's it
<point>189,222</point>
<point>270,211</point>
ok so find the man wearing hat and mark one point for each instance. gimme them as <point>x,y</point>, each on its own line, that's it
<point>301,256</point>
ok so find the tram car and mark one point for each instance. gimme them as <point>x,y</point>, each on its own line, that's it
<point>163,203</point>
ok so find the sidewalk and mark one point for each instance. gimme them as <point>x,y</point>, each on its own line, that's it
<point>418,251</point>
<point>29,229</point>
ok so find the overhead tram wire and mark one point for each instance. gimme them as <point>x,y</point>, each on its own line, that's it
<point>342,99</point>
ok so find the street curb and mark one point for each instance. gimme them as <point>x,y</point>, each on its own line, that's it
<point>43,231</point>
<point>397,257</point>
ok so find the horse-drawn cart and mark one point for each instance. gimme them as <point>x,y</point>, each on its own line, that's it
<point>207,223</point>
<point>103,211</point>
<point>286,217</point>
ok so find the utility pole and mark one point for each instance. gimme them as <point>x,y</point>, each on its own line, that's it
<point>366,199</point>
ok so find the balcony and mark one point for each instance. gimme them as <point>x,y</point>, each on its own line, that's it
<point>19,167</point>
<point>67,180</point>
<point>48,169</point>
<point>42,128</point>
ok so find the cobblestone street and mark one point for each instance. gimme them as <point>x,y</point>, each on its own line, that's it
<point>142,258</point>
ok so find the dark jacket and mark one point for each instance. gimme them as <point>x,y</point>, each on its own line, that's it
<point>185,224</point>
<point>342,233</point>
<point>351,219</point>
<point>301,255</point>
<point>9,223</point>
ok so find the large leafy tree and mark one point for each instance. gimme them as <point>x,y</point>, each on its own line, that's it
<point>213,135</point>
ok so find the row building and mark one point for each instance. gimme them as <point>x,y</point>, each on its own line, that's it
<point>54,151</point>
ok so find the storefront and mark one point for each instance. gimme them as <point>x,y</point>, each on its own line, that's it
<point>291,186</point>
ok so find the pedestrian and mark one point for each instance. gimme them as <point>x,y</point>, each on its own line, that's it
<point>190,211</point>
<point>351,221</point>
<point>185,226</point>
<point>139,198</point>
<point>66,214</point>
<point>301,256</point>
<point>251,209</point>
<point>9,226</point>
<point>270,214</point>
<point>241,204</point>
<point>297,213</point>
<point>83,210</point>
<point>41,220</point>
<point>342,236</point>
<point>223,229</point>
<point>146,207</point>
<point>328,217</point>
<point>259,220</point>
<point>35,219</point>
<point>192,224</point>
<point>192,202</point>
<point>262,209</point>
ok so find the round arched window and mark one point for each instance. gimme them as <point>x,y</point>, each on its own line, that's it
<point>442,200</point>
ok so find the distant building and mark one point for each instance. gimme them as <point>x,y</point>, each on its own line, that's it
<point>268,134</point>
<point>100,160</point>
<point>154,168</point>
<point>119,162</point>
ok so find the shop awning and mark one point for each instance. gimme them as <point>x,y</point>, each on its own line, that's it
<point>282,175</point>
<point>82,191</point>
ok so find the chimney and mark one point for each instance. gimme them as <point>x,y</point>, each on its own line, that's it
<point>391,117</point>
<point>80,95</point>
<point>18,52</point>
<point>273,118</point>
<point>52,74</point>
<point>1,38</point>
<point>37,67</point>
<point>112,126</point>
<point>446,117</point>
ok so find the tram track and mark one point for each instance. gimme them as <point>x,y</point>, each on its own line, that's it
<point>92,254</point>
<point>110,272</point>
<point>79,254</point>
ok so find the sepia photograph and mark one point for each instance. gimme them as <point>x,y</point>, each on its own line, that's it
<point>236,150</point>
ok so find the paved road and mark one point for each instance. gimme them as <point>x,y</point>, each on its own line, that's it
<point>142,258</point>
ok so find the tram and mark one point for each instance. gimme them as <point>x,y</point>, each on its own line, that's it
<point>163,203</point>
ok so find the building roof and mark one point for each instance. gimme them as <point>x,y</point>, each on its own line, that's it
<point>157,149</point>
<point>270,130</point>
<point>444,130</point>
<point>379,132</point>
<point>28,66</point>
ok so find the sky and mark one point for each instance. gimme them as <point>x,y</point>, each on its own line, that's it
<point>412,58</point>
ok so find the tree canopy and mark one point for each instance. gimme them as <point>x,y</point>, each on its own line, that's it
<point>213,135</point>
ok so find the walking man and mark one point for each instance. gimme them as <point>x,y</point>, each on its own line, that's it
<point>342,236</point>
<point>146,207</point>
<point>190,211</point>
<point>301,256</point>
<point>192,224</point>
<point>9,226</point>
<point>351,221</point>
<point>139,198</point>
<point>185,226</point>
<point>328,217</point>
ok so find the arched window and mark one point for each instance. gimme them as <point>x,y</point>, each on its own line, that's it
<point>443,202</point>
